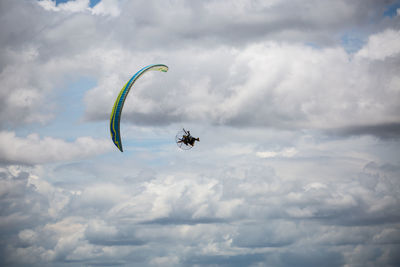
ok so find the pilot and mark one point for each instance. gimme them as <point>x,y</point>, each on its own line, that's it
<point>188,139</point>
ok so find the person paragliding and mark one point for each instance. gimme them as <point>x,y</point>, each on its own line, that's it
<point>185,140</point>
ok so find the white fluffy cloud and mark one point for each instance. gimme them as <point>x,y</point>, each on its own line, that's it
<point>34,150</point>
<point>70,6</point>
<point>382,45</point>
<point>105,7</point>
<point>287,152</point>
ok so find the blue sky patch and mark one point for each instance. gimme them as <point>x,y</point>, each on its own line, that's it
<point>69,114</point>
<point>92,2</point>
<point>391,10</point>
<point>352,41</point>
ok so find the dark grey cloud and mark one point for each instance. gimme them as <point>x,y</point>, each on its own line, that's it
<point>21,207</point>
<point>220,260</point>
<point>264,236</point>
<point>176,220</point>
<point>211,22</point>
<point>312,258</point>
<point>384,131</point>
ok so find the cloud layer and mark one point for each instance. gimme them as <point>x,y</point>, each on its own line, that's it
<point>239,215</point>
<point>280,83</point>
<point>34,150</point>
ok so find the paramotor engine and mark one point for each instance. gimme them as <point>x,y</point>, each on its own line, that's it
<point>185,140</point>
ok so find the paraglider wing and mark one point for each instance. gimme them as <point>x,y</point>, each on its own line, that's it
<point>119,103</point>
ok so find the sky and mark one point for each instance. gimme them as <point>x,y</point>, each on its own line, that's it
<point>296,103</point>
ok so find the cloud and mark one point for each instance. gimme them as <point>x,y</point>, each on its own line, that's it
<point>290,219</point>
<point>22,98</point>
<point>209,22</point>
<point>287,153</point>
<point>275,234</point>
<point>107,7</point>
<point>35,60</point>
<point>36,150</point>
<point>104,8</point>
<point>385,131</point>
<point>256,83</point>
<point>382,45</point>
<point>241,90</point>
<point>70,6</point>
